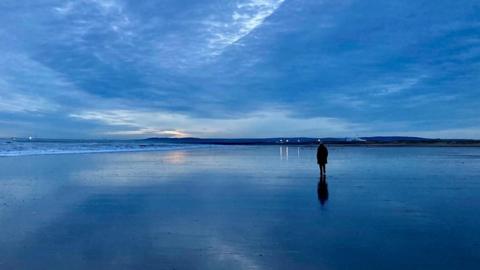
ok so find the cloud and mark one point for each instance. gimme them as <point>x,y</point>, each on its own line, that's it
<point>264,123</point>
<point>401,85</point>
<point>348,101</point>
<point>246,17</point>
<point>104,6</point>
<point>84,18</point>
<point>428,99</point>
<point>17,103</point>
<point>203,37</point>
<point>65,9</point>
<point>23,84</point>
<point>252,67</point>
<point>27,85</point>
<point>148,132</point>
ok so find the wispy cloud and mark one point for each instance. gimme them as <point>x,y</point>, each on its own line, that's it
<point>265,123</point>
<point>348,101</point>
<point>148,132</point>
<point>17,103</point>
<point>429,99</point>
<point>86,17</point>
<point>401,85</point>
<point>104,6</point>
<point>23,84</point>
<point>65,9</point>
<point>209,35</point>
<point>28,85</point>
<point>136,123</point>
<point>246,17</point>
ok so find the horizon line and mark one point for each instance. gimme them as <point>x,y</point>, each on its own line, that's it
<point>230,138</point>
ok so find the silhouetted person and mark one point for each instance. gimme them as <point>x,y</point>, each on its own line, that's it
<point>322,190</point>
<point>322,156</point>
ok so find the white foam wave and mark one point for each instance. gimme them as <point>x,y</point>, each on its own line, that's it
<point>11,148</point>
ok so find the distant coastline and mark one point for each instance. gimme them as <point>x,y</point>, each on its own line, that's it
<point>305,141</point>
<point>347,141</point>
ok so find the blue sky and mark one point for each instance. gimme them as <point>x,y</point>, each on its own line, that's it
<point>239,68</point>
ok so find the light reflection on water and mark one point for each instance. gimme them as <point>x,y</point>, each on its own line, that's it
<point>176,157</point>
<point>284,152</point>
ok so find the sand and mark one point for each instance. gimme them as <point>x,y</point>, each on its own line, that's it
<point>242,207</point>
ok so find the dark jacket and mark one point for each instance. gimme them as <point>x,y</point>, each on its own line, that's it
<point>322,154</point>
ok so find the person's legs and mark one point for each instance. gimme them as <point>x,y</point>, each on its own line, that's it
<point>322,169</point>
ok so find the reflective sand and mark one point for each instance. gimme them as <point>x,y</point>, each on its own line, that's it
<point>242,207</point>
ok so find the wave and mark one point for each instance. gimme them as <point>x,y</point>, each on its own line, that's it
<point>11,148</point>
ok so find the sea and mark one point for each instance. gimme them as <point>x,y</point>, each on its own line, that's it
<point>24,147</point>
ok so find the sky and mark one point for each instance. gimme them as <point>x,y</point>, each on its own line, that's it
<point>239,68</point>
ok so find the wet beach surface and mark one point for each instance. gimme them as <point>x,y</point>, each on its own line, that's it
<point>242,207</point>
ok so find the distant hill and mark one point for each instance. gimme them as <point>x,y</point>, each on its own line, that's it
<point>387,140</point>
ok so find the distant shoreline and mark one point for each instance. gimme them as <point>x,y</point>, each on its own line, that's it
<point>378,141</point>
<point>305,141</point>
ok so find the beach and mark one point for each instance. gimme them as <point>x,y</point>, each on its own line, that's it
<point>242,207</point>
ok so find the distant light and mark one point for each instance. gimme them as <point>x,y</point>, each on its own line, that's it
<point>30,138</point>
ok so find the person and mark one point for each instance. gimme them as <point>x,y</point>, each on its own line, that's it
<point>322,155</point>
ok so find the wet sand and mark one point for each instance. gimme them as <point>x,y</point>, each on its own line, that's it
<point>242,207</point>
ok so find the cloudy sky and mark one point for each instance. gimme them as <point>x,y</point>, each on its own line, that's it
<point>239,68</point>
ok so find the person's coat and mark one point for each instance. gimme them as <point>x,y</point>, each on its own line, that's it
<point>322,154</point>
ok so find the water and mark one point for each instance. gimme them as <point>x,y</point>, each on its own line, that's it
<point>25,147</point>
<point>242,207</point>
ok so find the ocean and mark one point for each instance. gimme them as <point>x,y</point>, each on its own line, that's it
<point>25,147</point>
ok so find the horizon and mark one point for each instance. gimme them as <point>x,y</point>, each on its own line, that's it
<point>26,138</point>
<point>120,69</point>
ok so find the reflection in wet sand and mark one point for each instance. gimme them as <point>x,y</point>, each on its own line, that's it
<point>175,157</point>
<point>322,190</point>
<point>283,152</point>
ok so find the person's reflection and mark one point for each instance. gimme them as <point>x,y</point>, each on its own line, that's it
<point>322,190</point>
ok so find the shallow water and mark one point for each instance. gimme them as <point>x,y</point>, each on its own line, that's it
<point>242,207</point>
<point>26,147</point>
